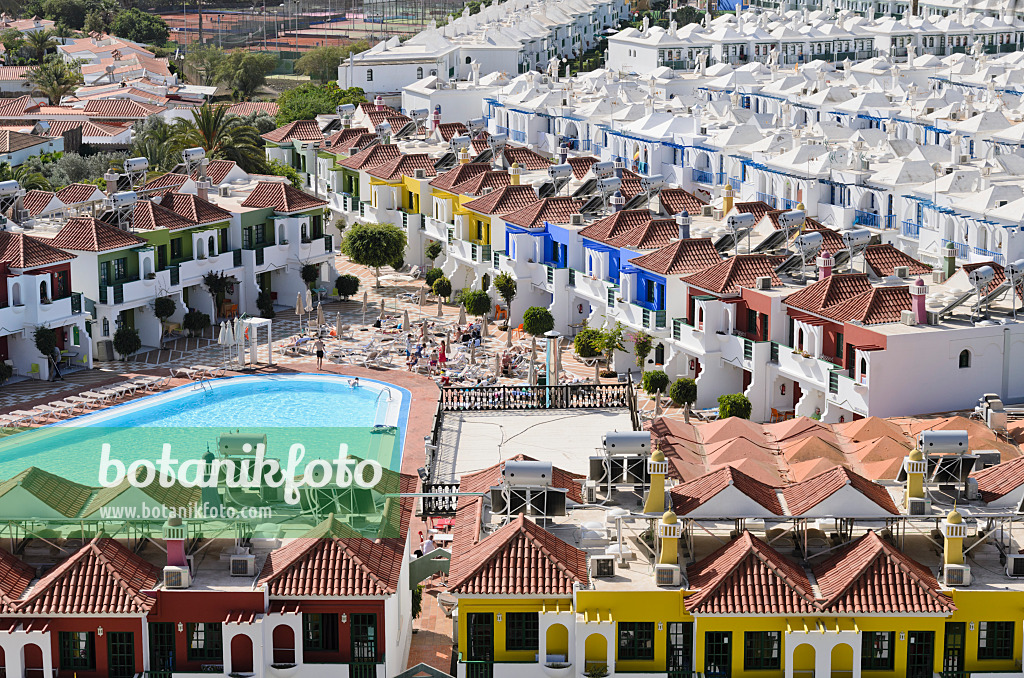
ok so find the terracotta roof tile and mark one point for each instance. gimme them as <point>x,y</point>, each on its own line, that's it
<point>999,480</point>
<point>247,108</point>
<point>733,273</point>
<point>883,260</point>
<point>87,234</point>
<point>89,128</point>
<point>15,108</point>
<point>650,236</point>
<point>521,558</point>
<point>830,240</point>
<point>869,576</point>
<point>477,184</point>
<point>176,496</point>
<point>404,165</point>
<point>35,201</point>
<point>527,159</point>
<point>747,576</point>
<point>164,181</point>
<point>756,207</point>
<point>282,197</point>
<point>390,116</point>
<point>581,165</point>
<point>74,194</point>
<point>616,224</point>
<point>482,481</point>
<point>689,496</point>
<point>15,577</point>
<point>681,257</point>
<point>301,130</point>
<point>801,498</point>
<point>372,156</point>
<point>459,174</point>
<point>503,200</point>
<point>997,280</point>
<point>150,216</point>
<point>24,251</point>
<point>121,108</point>
<point>16,141</point>
<point>450,130</point>
<point>555,210</point>
<point>876,306</point>
<point>341,141</point>
<point>835,289</point>
<point>194,208</point>
<point>216,171</point>
<point>103,577</point>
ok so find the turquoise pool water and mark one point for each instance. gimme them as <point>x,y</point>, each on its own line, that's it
<point>317,411</point>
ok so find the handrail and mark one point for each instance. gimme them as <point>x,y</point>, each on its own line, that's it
<point>562,396</point>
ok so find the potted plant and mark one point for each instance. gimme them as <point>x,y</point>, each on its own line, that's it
<point>6,372</point>
<point>126,341</point>
<point>195,322</point>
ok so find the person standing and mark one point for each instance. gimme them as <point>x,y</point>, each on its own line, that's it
<point>318,346</point>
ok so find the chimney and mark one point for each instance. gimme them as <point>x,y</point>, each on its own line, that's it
<point>619,166</point>
<point>464,156</point>
<point>111,178</point>
<point>378,102</point>
<point>915,466</point>
<point>669,532</point>
<point>203,189</point>
<point>949,261</point>
<point>969,103</point>
<point>346,122</point>
<point>825,264</point>
<point>953,532</point>
<point>435,118</point>
<point>796,138</point>
<point>514,172</point>
<point>683,222</point>
<point>954,148</point>
<point>174,536</point>
<point>727,198</point>
<point>918,292</point>
<point>657,467</point>
<point>563,154</point>
<point>617,201</point>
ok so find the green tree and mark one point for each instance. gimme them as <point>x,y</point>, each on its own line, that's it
<point>537,320</point>
<point>265,304</point>
<point>13,40</point>
<point>374,245</point>
<point>433,251</point>
<point>45,341</point>
<point>611,341</point>
<point>734,405</point>
<point>127,341</point>
<point>432,275</point>
<point>55,79</point>
<point>195,322</point>
<point>477,303</point>
<point>587,343</point>
<point>654,381</point>
<point>39,43</point>
<point>222,137</point>
<point>95,22</point>
<point>642,345</point>
<point>442,287</point>
<point>204,63</point>
<point>506,286</point>
<point>138,26</point>
<point>71,12</point>
<point>154,141</point>
<point>309,100</point>
<point>683,393</point>
<point>163,308</point>
<point>309,273</point>
<point>62,30</point>
<point>347,285</point>
<point>278,168</point>
<point>321,63</point>
<point>245,72</point>
<point>23,175</point>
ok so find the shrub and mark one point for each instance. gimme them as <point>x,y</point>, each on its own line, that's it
<point>477,303</point>
<point>432,275</point>
<point>642,344</point>
<point>734,405</point>
<point>374,245</point>
<point>417,601</point>
<point>683,393</point>
<point>126,341</point>
<point>347,285</point>
<point>265,304</point>
<point>654,381</point>
<point>45,341</point>
<point>587,343</point>
<point>537,320</point>
<point>433,251</point>
<point>442,287</point>
<point>506,286</point>
<point>309,273</point>
<point>195,322</point>
<point>6,372</point>
<point>164,307</point>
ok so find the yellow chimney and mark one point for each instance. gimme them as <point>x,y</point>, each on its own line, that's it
<point>916,467</point>
<point>464,156</point>
<point>727,196</point>
<point>953,533</point>
<point>657,467</point>
<point>514,173</point>
<point>669,532</point>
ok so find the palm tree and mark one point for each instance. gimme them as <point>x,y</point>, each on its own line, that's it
<point>28,179</point>
<point>39,43</point>
<point>55,79</point>
<point>62,30</point>
<point>222,137</point>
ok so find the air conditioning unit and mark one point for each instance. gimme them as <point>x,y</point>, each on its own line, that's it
<point>964,159</point>
<point>224,191</point>
<point>23,216</point>
<point>918,507</point>
<point>763,283</point>
<point>901,272</point>
<point>956,575</point>
<point>177,577</point>
<point>707,211</point>
<point>420,173</point>
<point>243,566</point>
<point>602,566</point>
<point>590,492</point>
<point>1015,565</point>
<point>488,190</point>
<point>908,318</point>
<point>576,219</point>
<point>667,575</point>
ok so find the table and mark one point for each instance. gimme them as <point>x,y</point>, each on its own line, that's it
<point>442,538</point>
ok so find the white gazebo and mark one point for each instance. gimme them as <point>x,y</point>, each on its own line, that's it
<point>251,328</point>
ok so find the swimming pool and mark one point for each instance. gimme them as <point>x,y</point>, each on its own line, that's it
<point>320,412</point>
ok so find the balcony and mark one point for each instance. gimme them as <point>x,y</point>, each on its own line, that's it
<point>436,229</point>
<point>862,218</point>
<point>735,183</point>
<point>890,222</point>
<point>788,204</point>
<point>962,249</point>
<point>910,229</point>
<point>767,198</point>
<point>805,369</point>
<point>721,178</point>
<point>988,255</point>
<point>702,177</point>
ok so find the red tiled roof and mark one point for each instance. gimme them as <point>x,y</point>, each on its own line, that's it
<point>835,289</point>
<point>194,208</point>
<point>341,141</point>
<point>758,208</point>
<point>87,234</point>
<point>35,201</point>
<point>482,481</point>
<point>459,174</point>
<point>390,116</point>
<point>581,165</point>
<point>802,497</point>
<point>281,197</point>
<point>15,577</point>
<point>216,171</point>
<point>689,496</point>
<point>747,576</point>
<point>877,305</point>
<point>302,130</point>
<point>883,260</point>
<point>16,141</point>
<point>519,559</point>
<point>64,496</point>
<point>73,194</point>
<point>830,240</point>
<point>403,165</point>
<point>372,156</point>
<point>169,180</point>
<point>652,235</point>
<point>504,200</point>
<point>998,279</point>
<point>89,128</point>
<point>15,108</point>
<point>477,184</point>
<point>868,576</point>
<point>333,560</point>
<point>149,216</point>
<point>120,108</point>
<point>527,159</point>
<point>23,251</point>
<point>249,107</point>
<point>103,577</point>
<point>733,273</point>
<point>676,200</point>
<point>556,210</point>
<point>450,130</point>
<point>999,480</point>
<point>682,257</point>
<point>616,224</point>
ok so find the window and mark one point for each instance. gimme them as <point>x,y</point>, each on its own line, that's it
<point>261,233</point>
<point>877,651</point>
<point>761,650</point>
<point>176,248</point>
<point>77,650</point>
<point>320,632</point>
<point>246,238</point>
<point>522,631</point>
<point>369,75</point>
<point>121,268</point>
<point>364,638</point>
<point>651,291</point>
<point>419,73</point>
<point>752,321</point>
<point>636,641</point>
<point>995,640</point>
<point>839,344</point>
<point>204,642</point>
<point>965,359</point>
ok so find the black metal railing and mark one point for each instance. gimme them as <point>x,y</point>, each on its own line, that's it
<point>565,396</point>
<point>236,257</point>
<point>445,501</point>
<point>76,302</point>
<point>260,257</point>
<point>175,275</point>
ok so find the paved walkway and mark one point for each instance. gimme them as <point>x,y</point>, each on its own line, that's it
<point>432,642</point>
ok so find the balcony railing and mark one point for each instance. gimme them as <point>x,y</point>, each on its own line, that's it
<point>862,218</point>
<point>735,182</point>
<point>788,204</point>
<point>890,222</point>
<point>518,135</point>
<point>767,198</point>
<point>702,176</point>
<point>994,256</point>
<point>962,249</point>
<point>565,396</point>
<point>910,229</point>
<point>721,178</point>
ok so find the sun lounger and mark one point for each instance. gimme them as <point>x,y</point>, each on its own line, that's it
<point>186,372</point>
<point>147,383</point>
<point>70,406</point>
<point>51,411</point>
<point>11,420</point>
<point>210,371</point>
<point>31,415</point>
<point>79,400</point>
<point>102,396</point>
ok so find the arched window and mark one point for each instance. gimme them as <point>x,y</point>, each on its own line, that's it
<point>965,359</point>
<point>419,73</point>
<point>211,246</point>
<point>369,75</point>
<point>469,60</point>
<point>700,318</point>
<point>800,340</point>
<point>863,368</point>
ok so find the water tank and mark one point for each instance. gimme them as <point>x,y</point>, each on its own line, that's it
<point>193,154</point>
<point>627,442</point>
<point>856,238</point>
<point>738,221</point>
<point>233,444</point>
<point>136,165</point>
<point>808,243</point>
<point>610,184</point>
<point>531,473</point>
<point>560,171</point>
<point>793,219</point>
<point>459,143</point>
<point>603,170</point>
<point>942,442</point>
<point>981,276</point>
<point>9,187</point>
<point>123,198</point>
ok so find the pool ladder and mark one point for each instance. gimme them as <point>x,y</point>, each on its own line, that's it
<point>204,385</point>
<point>378,419</point>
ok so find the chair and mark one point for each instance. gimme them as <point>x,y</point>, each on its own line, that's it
<point>34,371</point>
<point>776,416</point>
<point>499,312</point>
